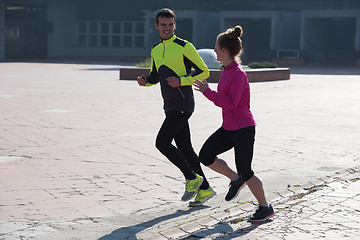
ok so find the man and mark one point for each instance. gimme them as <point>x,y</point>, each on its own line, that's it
<point>172,62</point>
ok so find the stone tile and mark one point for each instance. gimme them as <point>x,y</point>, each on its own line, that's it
<point>174,233</point>
<point>155,237</point>
<point>191,227</point>
<point>220,216</point>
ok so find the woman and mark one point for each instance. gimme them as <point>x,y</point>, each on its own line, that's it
<point>238,127</point>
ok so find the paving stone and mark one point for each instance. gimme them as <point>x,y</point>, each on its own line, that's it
<point>174,233</point>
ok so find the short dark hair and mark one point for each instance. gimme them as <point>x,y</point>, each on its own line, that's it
<point>165,12</point>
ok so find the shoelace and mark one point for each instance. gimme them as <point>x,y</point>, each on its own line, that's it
<point>187,185</point>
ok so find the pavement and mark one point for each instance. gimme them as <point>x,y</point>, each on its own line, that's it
<point>77,157</point>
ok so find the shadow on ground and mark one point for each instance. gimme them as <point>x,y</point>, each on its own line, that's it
<point>223,231</point>
<point>131,231</point>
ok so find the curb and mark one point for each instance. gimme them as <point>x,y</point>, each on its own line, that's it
<point>281,200</point>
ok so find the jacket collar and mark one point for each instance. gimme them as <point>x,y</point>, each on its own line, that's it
<point>169,40</point>
<point>232,65</point>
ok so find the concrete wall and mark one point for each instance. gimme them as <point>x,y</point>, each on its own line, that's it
<point>111,52</point>
<point>62,17</point>
<point>327,31</point>
<point>2,30</point>
<point>207,29</point>
<point>285,26</point>
<point>287,30</point>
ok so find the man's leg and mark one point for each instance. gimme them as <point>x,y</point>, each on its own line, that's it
<point>172,125</point>
<point>183,143</point>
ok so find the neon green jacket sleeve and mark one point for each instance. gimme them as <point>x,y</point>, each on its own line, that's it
<point>193,59</point>
<point>153,78</point>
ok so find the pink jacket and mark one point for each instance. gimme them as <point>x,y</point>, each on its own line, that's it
<point>233,96</point>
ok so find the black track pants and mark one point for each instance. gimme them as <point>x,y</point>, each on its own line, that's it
<point>176,126</point>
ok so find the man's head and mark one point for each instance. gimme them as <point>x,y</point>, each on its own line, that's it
<point>165,23</point>
<point>165,12</point>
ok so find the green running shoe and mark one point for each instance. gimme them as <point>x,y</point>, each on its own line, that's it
<point>191,187</point>
<point>202,196</point>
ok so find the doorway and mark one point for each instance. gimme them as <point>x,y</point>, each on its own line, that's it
<point>26,31</point>
<point>255,39</point>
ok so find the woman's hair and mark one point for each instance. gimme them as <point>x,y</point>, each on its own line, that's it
<point>165,12</point>
<point>231,41</point>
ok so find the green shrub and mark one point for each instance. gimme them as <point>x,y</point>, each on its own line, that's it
<point>262,65</point>
<point>144,64</point>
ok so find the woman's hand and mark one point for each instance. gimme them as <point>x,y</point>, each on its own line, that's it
<point>200,86</point>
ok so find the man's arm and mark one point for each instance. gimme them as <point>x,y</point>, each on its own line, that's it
<point>153,78</point>
<point>193,59</point>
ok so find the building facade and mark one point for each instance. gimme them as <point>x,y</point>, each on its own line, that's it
<point>117,29</point>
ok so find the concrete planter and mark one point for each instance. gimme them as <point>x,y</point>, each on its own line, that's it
<point>254,75</point>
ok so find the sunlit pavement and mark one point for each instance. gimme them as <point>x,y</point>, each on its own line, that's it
<point>77,157</point>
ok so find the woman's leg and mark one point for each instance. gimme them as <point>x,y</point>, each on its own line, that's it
<point>256,187</point>
<point>244,148</point>
<point>217,143</point>
<point>220,166</point>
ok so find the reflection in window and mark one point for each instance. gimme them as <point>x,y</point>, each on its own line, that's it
<point>13,32</point>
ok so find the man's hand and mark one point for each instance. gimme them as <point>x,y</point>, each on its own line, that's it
<point>174,81</point>
<point>141,80</point>
<point>201,86</point>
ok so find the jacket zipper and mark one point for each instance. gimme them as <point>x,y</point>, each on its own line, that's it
<point>164,49</point>
<point>164,57</point>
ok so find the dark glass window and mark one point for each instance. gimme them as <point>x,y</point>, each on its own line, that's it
<point>116,41</point>
<point>116,27</point>
<point>93,27</point>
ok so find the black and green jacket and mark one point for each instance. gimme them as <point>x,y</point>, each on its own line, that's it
<point>176,57</point>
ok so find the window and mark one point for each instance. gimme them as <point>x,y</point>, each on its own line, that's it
<point>104,42</point>
<point>113,34</point>
<point>81,37</point>
<point>82,28</point>
<point>93,27</point>
<point>116,34</point>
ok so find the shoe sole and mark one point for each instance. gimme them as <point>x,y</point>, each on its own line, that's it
<point>198,205</point>
<point>264,219</point>
<point>195,191</point>
<point>237,194</point>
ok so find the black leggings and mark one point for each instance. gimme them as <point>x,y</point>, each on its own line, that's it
<point>176,126</point>
<point>241,140</point>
